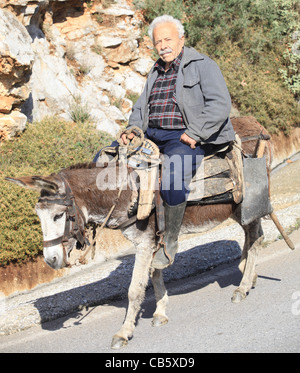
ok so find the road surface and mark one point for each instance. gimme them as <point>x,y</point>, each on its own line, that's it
<point>201,316</point>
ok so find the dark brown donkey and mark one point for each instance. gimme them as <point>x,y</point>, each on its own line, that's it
<point>71,199</point>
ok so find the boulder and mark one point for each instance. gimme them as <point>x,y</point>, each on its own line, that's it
<point>125,53</point>
<point>117,10</point>
<point>143,66</point>
<point>105,124</point>
<point>134,83</point>
<point>109,41</point>
<point>12,124</point>
<point>117,92</point>
<point>6,104</point>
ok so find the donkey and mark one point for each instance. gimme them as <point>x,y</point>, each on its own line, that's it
<point>70,199</point>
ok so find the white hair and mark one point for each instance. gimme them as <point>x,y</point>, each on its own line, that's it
<point>165,19</point>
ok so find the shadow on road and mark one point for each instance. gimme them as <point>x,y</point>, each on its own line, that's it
<point>200,259</point>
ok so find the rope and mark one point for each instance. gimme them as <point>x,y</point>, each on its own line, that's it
<point>134,143</point>
<point>82,259</point>
<point>131,146</point>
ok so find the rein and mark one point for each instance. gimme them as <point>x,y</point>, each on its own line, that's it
<point>72,226</point>
<point>82,259</point>
<point>73,212</point>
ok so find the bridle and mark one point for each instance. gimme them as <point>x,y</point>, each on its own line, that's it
<point>72,225</point>
<point>73,216</point>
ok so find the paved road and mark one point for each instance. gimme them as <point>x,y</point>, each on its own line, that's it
<point>201,316</point>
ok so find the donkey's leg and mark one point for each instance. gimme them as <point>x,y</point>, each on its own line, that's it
<point>245,251</point>
<point>136,293</point>
<point>253,239</point>
<point>161,296</point>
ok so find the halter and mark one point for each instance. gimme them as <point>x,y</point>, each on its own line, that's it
<point>73,212</point>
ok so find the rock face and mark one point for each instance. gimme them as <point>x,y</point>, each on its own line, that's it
<point>56,55</point>
<point>16,63</point>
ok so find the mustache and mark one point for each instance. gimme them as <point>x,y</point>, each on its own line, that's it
<point>164,51</point>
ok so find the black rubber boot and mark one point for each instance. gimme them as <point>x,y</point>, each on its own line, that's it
<point>164,257</point>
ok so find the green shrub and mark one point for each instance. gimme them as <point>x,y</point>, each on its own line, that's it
<point>290,72</point>
<point>255,26</point>
<point>45,147</point>
<point>155,8</point>
<point>79,112</point>
<point>250,40</point>
<point>258,90</point>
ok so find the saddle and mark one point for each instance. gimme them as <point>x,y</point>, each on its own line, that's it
<point>219,178</point>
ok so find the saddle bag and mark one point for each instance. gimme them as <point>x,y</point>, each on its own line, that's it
<point>256,202</point>
<point>140,161</point>
<point>219,178</point>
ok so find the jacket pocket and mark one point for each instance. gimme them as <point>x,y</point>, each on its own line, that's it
<point>192,94</point>
<point>191,81</point>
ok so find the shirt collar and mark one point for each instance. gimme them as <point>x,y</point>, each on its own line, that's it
<point>160,64</point>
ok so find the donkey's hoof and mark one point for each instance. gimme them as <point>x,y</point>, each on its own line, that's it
<point>238,296</point>
<point>159,320</point>
<point>118,342</point>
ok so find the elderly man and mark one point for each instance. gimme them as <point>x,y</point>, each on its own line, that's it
<point>184,108</point>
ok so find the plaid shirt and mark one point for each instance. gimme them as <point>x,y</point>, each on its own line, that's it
<point>164,111</point>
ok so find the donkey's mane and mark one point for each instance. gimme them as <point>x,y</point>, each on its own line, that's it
<point>85,166</point>
<point>80,166</point>
<point>77,166</point>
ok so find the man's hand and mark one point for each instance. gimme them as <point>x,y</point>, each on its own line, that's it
<point>124,137</point>
<point>188,140</point>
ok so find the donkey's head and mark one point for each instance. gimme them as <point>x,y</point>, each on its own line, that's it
<point>61,220</point>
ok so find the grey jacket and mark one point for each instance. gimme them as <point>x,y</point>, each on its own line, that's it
<point>202,97</point>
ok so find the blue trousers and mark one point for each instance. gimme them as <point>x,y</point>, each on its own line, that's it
<point>180,164</point>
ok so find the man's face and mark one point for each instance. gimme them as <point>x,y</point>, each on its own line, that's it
<point>167,42</point>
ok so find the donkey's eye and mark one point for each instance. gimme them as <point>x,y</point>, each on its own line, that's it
<point>58,216</point>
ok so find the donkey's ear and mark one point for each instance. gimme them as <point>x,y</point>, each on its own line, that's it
<point>45,184</point>
<point>35,183</point>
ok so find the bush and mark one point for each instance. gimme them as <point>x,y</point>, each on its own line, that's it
<point>250,40</point>
<point>155,8</point>
<point>258,90</point>
<point>79,113</point>
<point>44,148</point>
<point>258,28</point>
<point>255,26</point>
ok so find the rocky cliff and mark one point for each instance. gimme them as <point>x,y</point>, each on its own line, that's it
<point>58,56</point>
